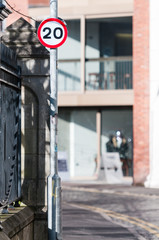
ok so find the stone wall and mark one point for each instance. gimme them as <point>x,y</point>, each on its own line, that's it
<point>34,62</point>
<point>24,224</point>
<point>35,149</point>
<point>19,226</point>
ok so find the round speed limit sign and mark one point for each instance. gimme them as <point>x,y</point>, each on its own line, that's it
<point>52,32</point>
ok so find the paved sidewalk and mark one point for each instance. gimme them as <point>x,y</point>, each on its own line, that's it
<point>79,224</point>
<point>133,212</point>
<point>82,224</point>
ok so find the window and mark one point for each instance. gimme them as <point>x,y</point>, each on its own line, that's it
<point>69,77</point>
<point>109,53</point>
<point>78,140</point>
<point>117,122</point>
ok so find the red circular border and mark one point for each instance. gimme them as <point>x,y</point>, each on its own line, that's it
<point>52,20</point>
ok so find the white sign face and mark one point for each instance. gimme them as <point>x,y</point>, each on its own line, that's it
<point>63,166</point>
<point>52,33</point>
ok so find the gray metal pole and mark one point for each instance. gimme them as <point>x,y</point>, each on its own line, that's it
<point>54,181</point>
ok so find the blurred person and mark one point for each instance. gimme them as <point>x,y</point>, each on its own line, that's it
<point>123,155</point>
<point>111,145</point>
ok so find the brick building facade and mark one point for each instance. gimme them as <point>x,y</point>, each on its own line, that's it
<point>19,7</point>
<point>142,98</point>
<point>141,88</point>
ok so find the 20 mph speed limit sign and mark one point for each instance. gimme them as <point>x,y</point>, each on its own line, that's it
<point>52,32</point>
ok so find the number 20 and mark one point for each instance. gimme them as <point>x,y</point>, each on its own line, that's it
<point>48,33</point>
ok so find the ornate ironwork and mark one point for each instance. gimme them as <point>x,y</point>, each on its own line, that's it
<point>9,136</point>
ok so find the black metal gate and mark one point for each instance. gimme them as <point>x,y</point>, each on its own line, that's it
<point>10,86</point>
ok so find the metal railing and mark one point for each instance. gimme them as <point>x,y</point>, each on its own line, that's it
<point>109,73</point>
<point>10,143</point>
<point>100,74</point>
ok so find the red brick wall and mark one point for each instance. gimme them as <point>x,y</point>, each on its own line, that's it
<point>141,90</point>
<point>20,6</point>
<point>39,2</point>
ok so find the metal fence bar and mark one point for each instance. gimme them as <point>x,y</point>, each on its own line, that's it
<point>10,84</point>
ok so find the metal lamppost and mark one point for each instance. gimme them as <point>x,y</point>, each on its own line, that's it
<point>54,181</point>
<point>52,33</point>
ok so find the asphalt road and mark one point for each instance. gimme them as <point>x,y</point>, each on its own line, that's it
<point>95,211</point>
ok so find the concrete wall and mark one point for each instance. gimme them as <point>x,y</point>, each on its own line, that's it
<point>75,8</point>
